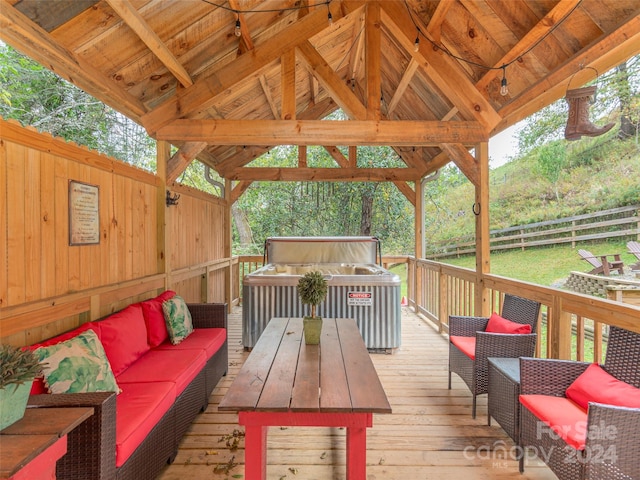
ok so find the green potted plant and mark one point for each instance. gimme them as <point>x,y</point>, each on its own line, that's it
<point>312,290</point>
<point>18,368</point>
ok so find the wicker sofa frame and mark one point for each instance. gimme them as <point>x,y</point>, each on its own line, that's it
<point>91,451</point>
<point>475,373</point>
<point>611,454</point>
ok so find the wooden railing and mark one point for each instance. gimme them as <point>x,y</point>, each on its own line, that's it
<point>616,222</point>
<point>574,325</point>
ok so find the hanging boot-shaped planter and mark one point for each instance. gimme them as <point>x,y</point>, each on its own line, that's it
<point>578,123</point>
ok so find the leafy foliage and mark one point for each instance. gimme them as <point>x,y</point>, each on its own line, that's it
<point>17,366</point>
<point>312,290</point>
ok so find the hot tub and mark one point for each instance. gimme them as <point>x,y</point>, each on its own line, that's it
<point>358,288</point>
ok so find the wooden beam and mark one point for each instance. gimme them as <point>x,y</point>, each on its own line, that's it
<point>288,84</point>
<point>407,191</point>
<point>331,82</point>
<point>464,160</point>
<point>24,35</point>
<point>323,132</point>
<point>337,156</point>
<point>238,190</point>
<point>182,158</point>
<point>302,156</point>
<point>439,67</point>
<point>373,62</point>
<point>435,22</point>
<point>293,174</point>
<point>215,82</point>
<point>407,76</point>
<point>267,93</point>
<point>129,15</point>
<point>355,55</point>
<point>353,156</point>
<point>481,206</point>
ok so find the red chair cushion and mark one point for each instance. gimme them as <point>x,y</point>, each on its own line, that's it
<point>154,318</point>
<point>178,366</point>
<point>564,417</point>
<point>124,337</point>
<point>139,408</point>
<point>208,340</point>
<point>466,345</point>
<point>596,385</point>
<point>497,324</point>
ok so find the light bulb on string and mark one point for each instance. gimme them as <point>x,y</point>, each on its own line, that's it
<point>330,18</point>
<point>416,44</point>
<point>504,90</point>
<point>238,30</point>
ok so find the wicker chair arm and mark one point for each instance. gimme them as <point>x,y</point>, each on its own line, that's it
<point>208,315</point>
<point>91,446</point>
<point>612,449</point>
<point>542,376</point>
<point>504,345</point>
<point>466,326</point>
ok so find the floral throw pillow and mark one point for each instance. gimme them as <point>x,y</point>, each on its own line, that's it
<point>77,365</point>
<point>178,318</point>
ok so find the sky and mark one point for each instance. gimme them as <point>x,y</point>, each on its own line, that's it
<point>503,146</point>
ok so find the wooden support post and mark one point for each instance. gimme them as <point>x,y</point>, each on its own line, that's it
<point>163,154</point>
<point>419,220</point>
<point>228,291</point>
<point>558,331</point>
<point>481,211</point>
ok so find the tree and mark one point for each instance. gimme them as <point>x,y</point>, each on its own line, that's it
<point>551,162</point>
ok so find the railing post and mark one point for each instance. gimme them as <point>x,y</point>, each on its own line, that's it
<point>443,307</point>
<point>558,331</point>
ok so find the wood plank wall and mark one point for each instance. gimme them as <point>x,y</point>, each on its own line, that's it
<point>48,286</point>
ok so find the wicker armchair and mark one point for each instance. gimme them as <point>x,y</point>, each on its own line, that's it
<point>474,372</point>
<point>612,446</point>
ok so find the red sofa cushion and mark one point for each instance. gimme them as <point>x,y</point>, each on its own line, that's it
<point>497,324</point>
<point>124,337</point>
<point>154,318</point>
<point>466,345</point>
<point>207,339</point>
<point>177,366</point>
<point>38,386</point>
<point>139,408</point>
<point>596,385</point>
<point>565,418</point>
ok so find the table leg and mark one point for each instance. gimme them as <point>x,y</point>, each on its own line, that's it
<point>357,452</point>
<point>255,455</point>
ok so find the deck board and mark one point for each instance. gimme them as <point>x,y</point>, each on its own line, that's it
<point>430,433</point>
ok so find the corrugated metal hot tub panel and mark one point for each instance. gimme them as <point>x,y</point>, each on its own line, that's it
<point>360,290</point>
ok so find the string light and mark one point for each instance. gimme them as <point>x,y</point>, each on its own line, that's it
<point>504,90</point>
<point>416,44</point>
<point>330,17</point>
<point>238,29</point>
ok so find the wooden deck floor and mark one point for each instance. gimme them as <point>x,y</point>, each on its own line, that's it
<point>430,434</point>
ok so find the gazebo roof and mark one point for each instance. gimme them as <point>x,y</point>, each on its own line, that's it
<point>178,68</point>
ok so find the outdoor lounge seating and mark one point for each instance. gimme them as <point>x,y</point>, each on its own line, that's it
<point>472,340</point>
<point>583,419</point>
<point>634,249</point>
<point>162,387</point>
<point>601,263</point>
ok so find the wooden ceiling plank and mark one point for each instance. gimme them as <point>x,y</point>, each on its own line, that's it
<point>323,132</point>
<point>463,160</point>
<point>269,97</point>
<point>407,76</point>
<point>288,84</point>
<point>542,28</point>
<point>182,158</point>
<point>24,35</point>
<point>324,174</point>
<point>129,15</point>
<point>330,81</point>
<point>50,15</point>
<point>355,55</point>
<point>606,53</point>
<point>442,69</point>
<point>372,63</point>
<point>211,84</point>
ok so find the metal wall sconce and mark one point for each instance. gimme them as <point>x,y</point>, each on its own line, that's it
<point>172,199</point>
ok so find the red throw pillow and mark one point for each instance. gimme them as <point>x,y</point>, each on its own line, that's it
<point>497,324</point>
<point>596,385</point>
<point>154,318</point>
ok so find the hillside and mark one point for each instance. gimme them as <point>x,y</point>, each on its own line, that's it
<point>597,174</point>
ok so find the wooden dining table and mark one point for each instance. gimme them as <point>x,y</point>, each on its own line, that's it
<point>285,382</point>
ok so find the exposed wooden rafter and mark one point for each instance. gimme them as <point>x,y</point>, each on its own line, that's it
<point>182,158</point>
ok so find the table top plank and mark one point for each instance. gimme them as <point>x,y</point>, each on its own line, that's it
<point>44,421</point>
<point>278,387</point>
<point>245,391</point>
<point>334,395</point>
<point>367,394</point>
<point>19,450</point>
<point>306,389</point>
